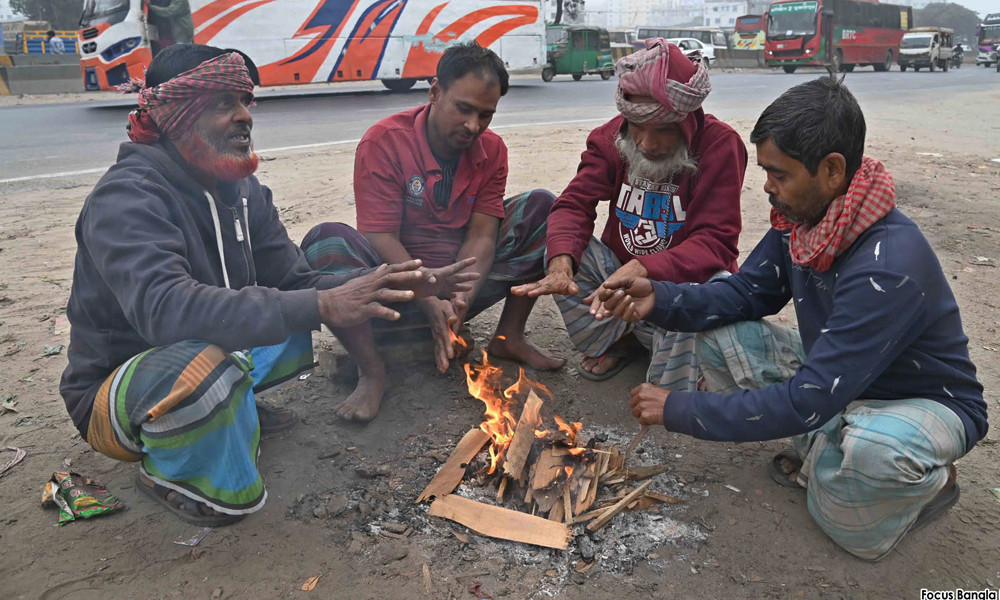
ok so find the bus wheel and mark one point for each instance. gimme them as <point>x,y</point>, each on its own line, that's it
<point>915,68</point>
<point>789,68</point>
<point>847,68</point>
<point>902,68</point>
<point>398,85</point>
<point>577,76</point>
<point>606,75</point>
<point>547,74</point>
<point>886,64</point>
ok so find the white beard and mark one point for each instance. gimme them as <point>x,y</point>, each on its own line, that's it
<point>678,162</point>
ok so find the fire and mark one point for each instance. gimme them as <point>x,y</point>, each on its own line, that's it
<point>571,431</point>
<point>457,339</point>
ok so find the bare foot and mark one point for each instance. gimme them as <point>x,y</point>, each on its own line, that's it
<point>790,469</point>
<point>520,349</point>
<point>363,403</point>
<point>599,365</point>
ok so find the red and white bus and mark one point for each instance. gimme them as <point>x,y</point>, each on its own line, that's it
<point>840,33</point>
<point>307,41</point>
<point>749,32</point>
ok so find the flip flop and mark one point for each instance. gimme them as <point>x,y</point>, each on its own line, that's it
<point>941,504</point>
<point>186,509</point>
<point>779,476</point>
<point>624,359</point>
<point>274,420</point>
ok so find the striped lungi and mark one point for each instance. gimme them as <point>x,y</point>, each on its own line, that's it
<point>188,412</point>
<point>869,470</point>
<point>519,258</point>
<point>673,364</point>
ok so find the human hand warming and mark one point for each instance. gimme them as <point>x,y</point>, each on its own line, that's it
<point>632,268</point>
<point>647,403</point>
<point>558,280</point>
<point>362,298</point>
<point>627,297</point>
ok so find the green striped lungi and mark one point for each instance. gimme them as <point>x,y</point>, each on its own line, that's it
<point>868,471</point>
<point>673,364</point>
<point>188,412</point>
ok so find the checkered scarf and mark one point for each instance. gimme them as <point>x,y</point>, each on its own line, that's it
<point>172,107</point>
<point>648,73</point>
<point>871,196</point>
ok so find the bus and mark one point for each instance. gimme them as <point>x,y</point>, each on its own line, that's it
<point>840,33</point>
<point>309,41</point>
<point>712,36</point>
<point>987,40</point>
<point>749,32</point>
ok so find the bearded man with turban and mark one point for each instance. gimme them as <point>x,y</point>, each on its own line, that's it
<point>673,176</point>
<point>188,295</point>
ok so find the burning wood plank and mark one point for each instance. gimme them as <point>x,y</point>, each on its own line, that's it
<point>524,437</point>
<point>503,523</point>
<point>452,472</point>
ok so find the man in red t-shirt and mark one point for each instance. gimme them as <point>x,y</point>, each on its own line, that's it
<point>674,176</point>
<point>429,184</point>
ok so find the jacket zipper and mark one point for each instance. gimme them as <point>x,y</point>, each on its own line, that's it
<point>240,237</point>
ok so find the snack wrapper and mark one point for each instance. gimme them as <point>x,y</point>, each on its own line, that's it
<point>78,497</point>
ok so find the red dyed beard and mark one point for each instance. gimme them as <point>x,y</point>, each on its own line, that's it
<point>203,156</point>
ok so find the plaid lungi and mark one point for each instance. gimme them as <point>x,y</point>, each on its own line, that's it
<point>673,364</point>
<point>869,470</point>
<point>188,412</point>
<point>520,253</point>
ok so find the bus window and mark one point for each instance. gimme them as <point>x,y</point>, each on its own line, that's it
<point>719,39</point>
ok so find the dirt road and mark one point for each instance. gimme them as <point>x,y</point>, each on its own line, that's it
<point>737,535</point>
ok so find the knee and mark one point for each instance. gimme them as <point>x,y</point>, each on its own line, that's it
<point>542,198</point>
<point>325,231</point>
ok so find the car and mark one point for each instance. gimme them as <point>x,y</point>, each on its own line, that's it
<point>692,47</point>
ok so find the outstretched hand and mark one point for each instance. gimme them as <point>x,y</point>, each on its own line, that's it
<point>449,281</point>
<point>558,281</point>
<point>362,298</point>
<point>626,297</point>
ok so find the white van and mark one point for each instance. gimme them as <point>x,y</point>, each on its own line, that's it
<point>929,47</point>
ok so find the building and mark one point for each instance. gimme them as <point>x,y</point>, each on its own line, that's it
<point>723,13</point>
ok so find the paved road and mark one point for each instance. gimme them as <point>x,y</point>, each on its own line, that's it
<point>53,138</point>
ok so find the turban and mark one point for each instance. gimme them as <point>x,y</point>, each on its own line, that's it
<point>172,107</point>
<point>662,72</point>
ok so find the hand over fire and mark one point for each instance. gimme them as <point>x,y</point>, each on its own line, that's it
<point>647,403</point>
<point>447,282</point>
<point>558,281</point>
<point>627,297</point>
<point>362,298</point>
<point>631,270</point>
<point>445,318</point>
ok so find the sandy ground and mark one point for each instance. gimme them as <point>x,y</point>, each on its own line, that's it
<point>757,542</point>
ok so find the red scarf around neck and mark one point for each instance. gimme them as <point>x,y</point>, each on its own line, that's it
<point>871,196</point>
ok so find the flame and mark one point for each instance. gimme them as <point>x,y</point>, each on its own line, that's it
<point>457,339</point>
<point>541,433</point>
<point>577,451</point>
<point>571,431</point>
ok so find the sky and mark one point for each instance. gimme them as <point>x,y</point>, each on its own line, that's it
<point>983,7</point>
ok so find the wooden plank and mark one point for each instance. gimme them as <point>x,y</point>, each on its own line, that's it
<point>557,513</point>
<point>503,523</point>
<point>548,467</point>
<point>502,489</point>
<point>663,498</point>
<point>639,473</point>
<point>567,504</point>
<point>453,470</point>
<point>524,437</point>
<point>588,516</point>
<point>601,521</point>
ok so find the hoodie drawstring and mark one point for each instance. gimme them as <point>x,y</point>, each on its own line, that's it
<point>218,236</point>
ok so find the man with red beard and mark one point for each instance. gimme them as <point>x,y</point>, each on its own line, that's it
<point>673,175</point>
<point>188,296</point>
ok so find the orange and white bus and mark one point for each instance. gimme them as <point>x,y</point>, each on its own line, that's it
<point>307,41</point>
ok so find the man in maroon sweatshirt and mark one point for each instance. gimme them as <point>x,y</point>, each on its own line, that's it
<point>673,175</point>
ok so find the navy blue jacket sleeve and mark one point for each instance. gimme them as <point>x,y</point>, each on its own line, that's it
<point>760,288</point>
<point>876,314</point>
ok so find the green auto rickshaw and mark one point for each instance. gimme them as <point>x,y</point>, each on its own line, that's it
<point>577,50</point>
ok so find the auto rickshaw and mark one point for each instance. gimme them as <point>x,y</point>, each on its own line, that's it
<point>577,50</point>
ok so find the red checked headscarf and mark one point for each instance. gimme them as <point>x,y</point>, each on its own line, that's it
<point>172,107</point>
<point>662,72</point>
<point>871,196</point>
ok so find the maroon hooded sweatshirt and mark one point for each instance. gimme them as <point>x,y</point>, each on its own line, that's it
<point>681,232</point>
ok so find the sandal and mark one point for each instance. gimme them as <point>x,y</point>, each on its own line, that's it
<point>939,505</point>
<point>274,420</point>
<point>778,474</point>
<point>187,509</point>
<point>624,359</point>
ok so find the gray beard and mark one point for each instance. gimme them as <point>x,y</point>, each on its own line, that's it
<point>678,162</point>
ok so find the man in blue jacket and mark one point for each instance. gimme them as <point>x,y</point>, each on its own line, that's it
<point>876,387</point>
<point>188,295</point>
